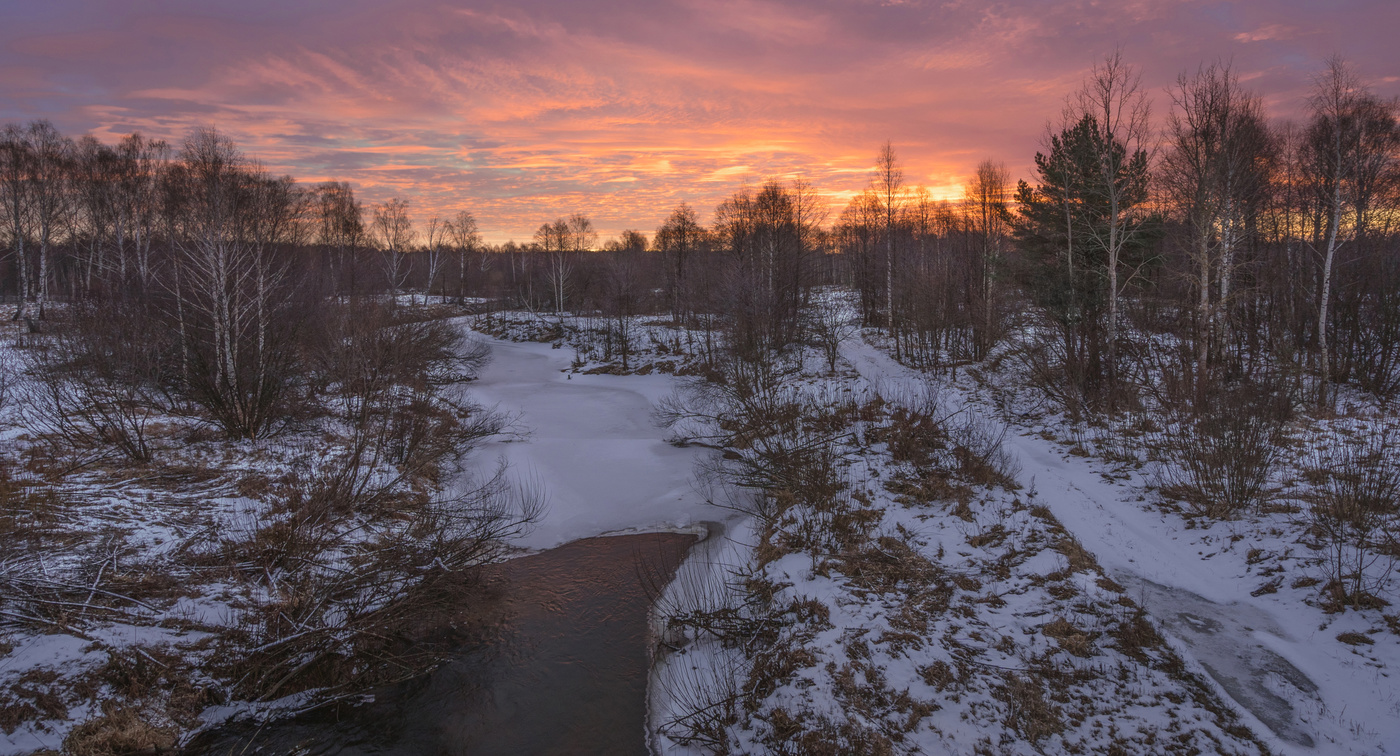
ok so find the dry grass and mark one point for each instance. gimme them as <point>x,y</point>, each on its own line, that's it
<point>31,698</point>
<point>1071,639</point>
<point>1134,635</point>
<point>939,675</point>
<point>775,665</point>
<point>1079,558</point>
<point>1355,639</point>
<point>31,508</point>
<point>889,564</point>
<point>818,736</point>
<point>929,487</point>
<point>1029,713</point>
<point>119,731</point>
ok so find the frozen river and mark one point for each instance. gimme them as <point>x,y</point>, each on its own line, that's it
<point>593,444</point>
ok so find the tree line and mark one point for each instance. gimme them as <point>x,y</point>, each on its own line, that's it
<point>1262,247</point>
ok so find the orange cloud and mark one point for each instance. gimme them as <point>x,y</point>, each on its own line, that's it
<point>621,109</point>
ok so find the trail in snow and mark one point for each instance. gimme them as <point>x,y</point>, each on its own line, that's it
<point>1267,659</point>
<point>591,442</point>
<point>1222,639</point>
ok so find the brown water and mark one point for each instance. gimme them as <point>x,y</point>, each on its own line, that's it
<point>567,674</point>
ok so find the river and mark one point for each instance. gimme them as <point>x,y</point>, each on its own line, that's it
<point>565,671</point>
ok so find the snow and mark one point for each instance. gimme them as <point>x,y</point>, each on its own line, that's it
<point>685,672</point>
<point>1278,660</point>
<point>592,445</point>
<point>855,658</point>
<point>591,442</point>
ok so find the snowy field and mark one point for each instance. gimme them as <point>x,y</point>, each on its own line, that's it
<point>589,445</point>
<point>1274,658</point>
<point>590,442</point>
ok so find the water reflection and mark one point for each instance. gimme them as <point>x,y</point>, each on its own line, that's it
<point>564,672</point>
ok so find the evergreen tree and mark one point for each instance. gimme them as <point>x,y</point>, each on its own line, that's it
<point>1062,225</point>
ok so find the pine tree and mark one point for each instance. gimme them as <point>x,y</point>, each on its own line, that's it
<point>1062,227</point>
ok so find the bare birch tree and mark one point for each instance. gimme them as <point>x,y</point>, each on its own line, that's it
<point>340,231</point>
<point>1113,97</point>
<point>1212,172</point>
<point>230,287</point>
<point>985,204</point>
<point>678,240</point>
<point>438,233</point>
<point>51,157</point>
<point>553,240</point>
<point>466,239</point>
<point>889,185</point>
<point>394,232</point>
<point>141,163</point>
<point>1339,146</point>
<point>15,192</point>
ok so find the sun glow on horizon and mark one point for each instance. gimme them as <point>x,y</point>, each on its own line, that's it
<point>526,112</point>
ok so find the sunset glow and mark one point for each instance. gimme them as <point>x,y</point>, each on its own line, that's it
<point>522,112</point>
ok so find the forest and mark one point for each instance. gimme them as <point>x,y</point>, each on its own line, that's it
<point>215,376</point>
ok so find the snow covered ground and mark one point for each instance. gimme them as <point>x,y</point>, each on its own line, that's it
<point>1277,658</point>
<point>592,445</point>
<point>588,443</point>
<point>920,611</point>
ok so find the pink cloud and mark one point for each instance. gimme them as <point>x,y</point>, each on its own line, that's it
<point>622,108</point>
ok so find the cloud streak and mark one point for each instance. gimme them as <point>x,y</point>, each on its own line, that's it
<point>525,111</point>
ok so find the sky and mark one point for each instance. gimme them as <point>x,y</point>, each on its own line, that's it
<point>525,111</point>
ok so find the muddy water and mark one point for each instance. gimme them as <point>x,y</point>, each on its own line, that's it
<point>566,675</point>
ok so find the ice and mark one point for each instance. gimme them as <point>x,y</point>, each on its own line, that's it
<point>592,442</point>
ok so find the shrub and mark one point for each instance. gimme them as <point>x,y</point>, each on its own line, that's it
<point>1220,461</point>
<point>1354,516</point>
<point>119,730</point>
<point>99,381</point>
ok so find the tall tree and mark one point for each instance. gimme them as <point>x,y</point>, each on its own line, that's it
<point>678,240</point>
<point>393,230</point>
<point>1350,136</point>
<point>760,233</point>
<point>888,183</point>
<point>340,230</point>
<point>581,236</point>
<point>985,204</point>
<point>1214,173</point>
<point>438,237</point>
<point>631,241</point>
<point>858,232</point>
<point>141,164</point>
<point>1113,98</point>
<point>16,165</point>
<point>562,240</point>
<point>466,238</point>
<point>1062,227</point>
<point>230,286</point>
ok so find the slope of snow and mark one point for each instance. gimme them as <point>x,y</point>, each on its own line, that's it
<point>932,611</point>
<point>1278,661</point>
<point>588,444</point>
